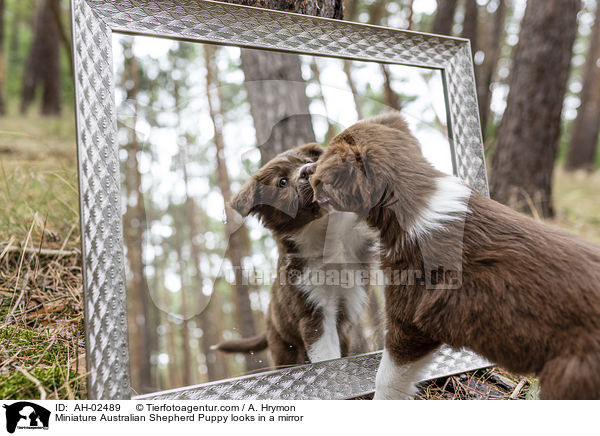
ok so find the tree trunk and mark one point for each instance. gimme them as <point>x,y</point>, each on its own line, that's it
<point>203,318</point>
<point>444,17</point>
<point>487,70</point>
<point>523,162</point>
<point>469,30</point>
<point>276,89</point>
<point>238,246</point>
<point>351,10</point>
<point>390,97</point>
<point>183,309</point>
<point>314,67</point>
<point>353,88</point>
<point>211,324</point>
<point>409,15</point>
<point>134,224</point>
<point>64,37</point>
<point>14,54</point>
<point>43,62</point>
<point>278,102</point>
<point>173,376</point>
<point>584,140</point>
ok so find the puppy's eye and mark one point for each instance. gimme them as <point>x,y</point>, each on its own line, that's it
<point>282,182</point>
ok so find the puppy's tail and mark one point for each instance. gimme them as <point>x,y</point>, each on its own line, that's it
<point>244,345</point>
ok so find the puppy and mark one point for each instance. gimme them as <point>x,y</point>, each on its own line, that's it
<point>309,317</point>
<point>521,293</point>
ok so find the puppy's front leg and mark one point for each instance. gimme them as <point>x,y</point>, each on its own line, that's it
<point>321,339</point>
<point>405,358</point>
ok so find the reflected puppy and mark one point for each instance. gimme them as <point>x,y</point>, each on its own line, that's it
<point>521,293</point>
<point>315,303</point>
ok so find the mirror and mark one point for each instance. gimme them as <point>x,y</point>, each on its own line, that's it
<point>195,121</point>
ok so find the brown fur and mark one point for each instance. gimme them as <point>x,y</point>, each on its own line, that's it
<point>292,323</point>
<point>526,296</point>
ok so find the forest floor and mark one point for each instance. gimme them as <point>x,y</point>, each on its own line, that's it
<point>42,344</point>
<point>42,348</point>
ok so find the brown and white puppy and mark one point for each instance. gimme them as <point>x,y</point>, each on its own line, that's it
<point>309,317</point>
<point>521,293</point>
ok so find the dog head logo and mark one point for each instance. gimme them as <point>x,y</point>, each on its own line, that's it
<point>26,415</point>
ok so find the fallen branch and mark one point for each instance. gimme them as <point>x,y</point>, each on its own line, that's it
<point>35,381</point>
<point>517,390</point>
<point>40,252</point>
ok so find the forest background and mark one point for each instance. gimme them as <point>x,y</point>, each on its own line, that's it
<point>537,65</point>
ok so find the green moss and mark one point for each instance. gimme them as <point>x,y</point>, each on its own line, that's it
<point>32,347</point>
<point>15,386</point>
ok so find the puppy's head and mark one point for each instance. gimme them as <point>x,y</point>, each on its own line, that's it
<point>280,193</point>
<point>374,162</point>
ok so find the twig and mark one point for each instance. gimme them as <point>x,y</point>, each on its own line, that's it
<point>64,244</point>
<point>531,205</point>
<point>33,309</point>
<point>43,354</point>
<point>42,252</point>
<point>517,390</point>
<point>36,382</point>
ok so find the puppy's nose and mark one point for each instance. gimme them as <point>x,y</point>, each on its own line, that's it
<point>305,171</point>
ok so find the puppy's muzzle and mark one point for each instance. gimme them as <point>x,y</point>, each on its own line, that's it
<point>319,196</point>
<point>306,171</point>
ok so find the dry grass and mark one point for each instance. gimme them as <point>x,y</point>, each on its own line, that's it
<point>482,384</point>
<point>41,317</point>
<point>41,312</point>
<point>577,203</point>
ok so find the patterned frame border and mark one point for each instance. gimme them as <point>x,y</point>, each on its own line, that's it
<point>94,21</point>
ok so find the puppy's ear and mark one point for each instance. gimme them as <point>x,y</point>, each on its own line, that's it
<point>244,201</point>
<point>391,119</point>
<point>312,150</point>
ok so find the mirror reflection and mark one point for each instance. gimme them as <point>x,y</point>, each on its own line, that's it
<point>196,123</point>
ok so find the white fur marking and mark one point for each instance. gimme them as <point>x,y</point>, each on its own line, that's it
<point>328,345</point>
<point>448,203</point>
<point>330,243</point>
<point>398,382</point>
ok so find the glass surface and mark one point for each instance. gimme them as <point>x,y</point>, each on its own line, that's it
<point>173,119</point>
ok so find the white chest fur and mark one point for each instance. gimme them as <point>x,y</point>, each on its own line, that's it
<point>334,249</point>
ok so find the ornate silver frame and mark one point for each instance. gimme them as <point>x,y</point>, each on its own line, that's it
<point>94,21</point>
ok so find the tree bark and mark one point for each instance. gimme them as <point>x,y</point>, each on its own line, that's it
<point>43,62</point>
<point>318,8</point>
<point>523,162</point>
<point>584,140</point>
<point>444,17</point>
<point>276,89</point>
<point>487,70</point>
